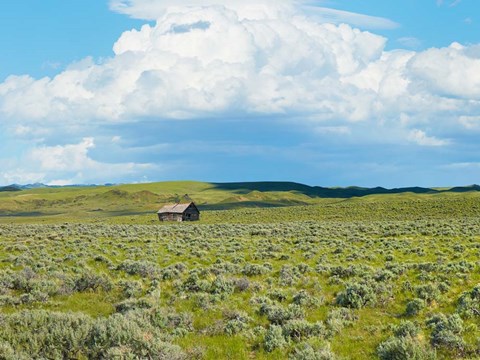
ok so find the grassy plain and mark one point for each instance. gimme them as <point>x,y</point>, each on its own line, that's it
<point>383,276</point>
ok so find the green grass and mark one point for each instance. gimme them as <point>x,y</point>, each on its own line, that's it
<point>395,243</point>
<point>141,201</point>
<point>101,201</point>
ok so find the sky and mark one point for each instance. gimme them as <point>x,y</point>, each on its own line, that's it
<point>327,93</point>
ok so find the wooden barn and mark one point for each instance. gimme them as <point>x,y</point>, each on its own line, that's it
<point>179,212</point>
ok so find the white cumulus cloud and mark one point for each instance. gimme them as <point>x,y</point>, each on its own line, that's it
<point>421,138</point>
<point>470,122</point>
<point>237,58</point>
<point>207,60</point>
<point>67,164</point>
<point>69,157</point>
<point>453,71</point>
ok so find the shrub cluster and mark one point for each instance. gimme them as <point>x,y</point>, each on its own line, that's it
<point>50,335</point>
<point>405,345</point>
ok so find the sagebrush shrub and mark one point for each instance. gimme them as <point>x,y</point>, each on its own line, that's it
<point>94,282</point>
<point>357,295</point>
<point>237,321</point>
<point>308,352</point>
<point>278,314</point>
<point>299,330</point>
<point>143,268</point>
<point>447,331</point>
<point>404,348</point>
<point>414,307</point>
<point>337,319</point>
<point>274,338</point>
<point>43,334</point>
<point>255,269</point>
<point>117,331</point>
<point>427,292</point>
<point>468,305</point>
<point>407,329</point>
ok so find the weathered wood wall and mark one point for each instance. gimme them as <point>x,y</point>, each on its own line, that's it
<point>170,217</point>
<point>190,214</point>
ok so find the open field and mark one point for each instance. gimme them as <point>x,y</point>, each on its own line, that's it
<point>383,276</point>
<point>141,201</point>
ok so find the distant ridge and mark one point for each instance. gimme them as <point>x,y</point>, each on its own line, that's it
<point>36,200</point>
<point>341,193</point>
<point>278,186</point>
<point>10,188</point>
<point>17,187</point>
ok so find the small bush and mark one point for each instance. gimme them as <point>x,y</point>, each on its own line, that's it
<point>288,275</point>
<point>94,282</point>
<point>131,288</point>
<point>404,348</point>
<point>109,334</point>
<point>414,307</point>
<point>278,315</point>
<point>43,334</point>
<point>8,353</point>
<point>468,305</point>
<point>299,330</point>
<point>222,285</point>
<point>255,270</point>
<point>141,268</point>
<point>302,298</point>
<point>236,322</point>
<point>193,283</point>
<point>132,304</point>
<point>427,292</point>
<point>357,296</point>
<point>407,329</point>
<point>241,285</point>
<point>277,295</point>
<point>446,331</point>
<point>307,352</point>
<point>173,271</point>
<point>274,338</point>
<point>339,318</point>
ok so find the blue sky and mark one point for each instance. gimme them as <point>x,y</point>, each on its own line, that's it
<point>330,93</point>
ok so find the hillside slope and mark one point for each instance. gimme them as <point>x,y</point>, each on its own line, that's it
<point>132,199</point>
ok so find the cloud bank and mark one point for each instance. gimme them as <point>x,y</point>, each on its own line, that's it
<point>69,164</point>
<point>248,58</point>
<point>287,59</point>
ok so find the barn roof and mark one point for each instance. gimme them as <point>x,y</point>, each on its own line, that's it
<point>175,209</point>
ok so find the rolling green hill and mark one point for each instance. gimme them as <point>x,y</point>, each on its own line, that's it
<point>134,199</point>
<point>141,199</point>
<point>89,272</point>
